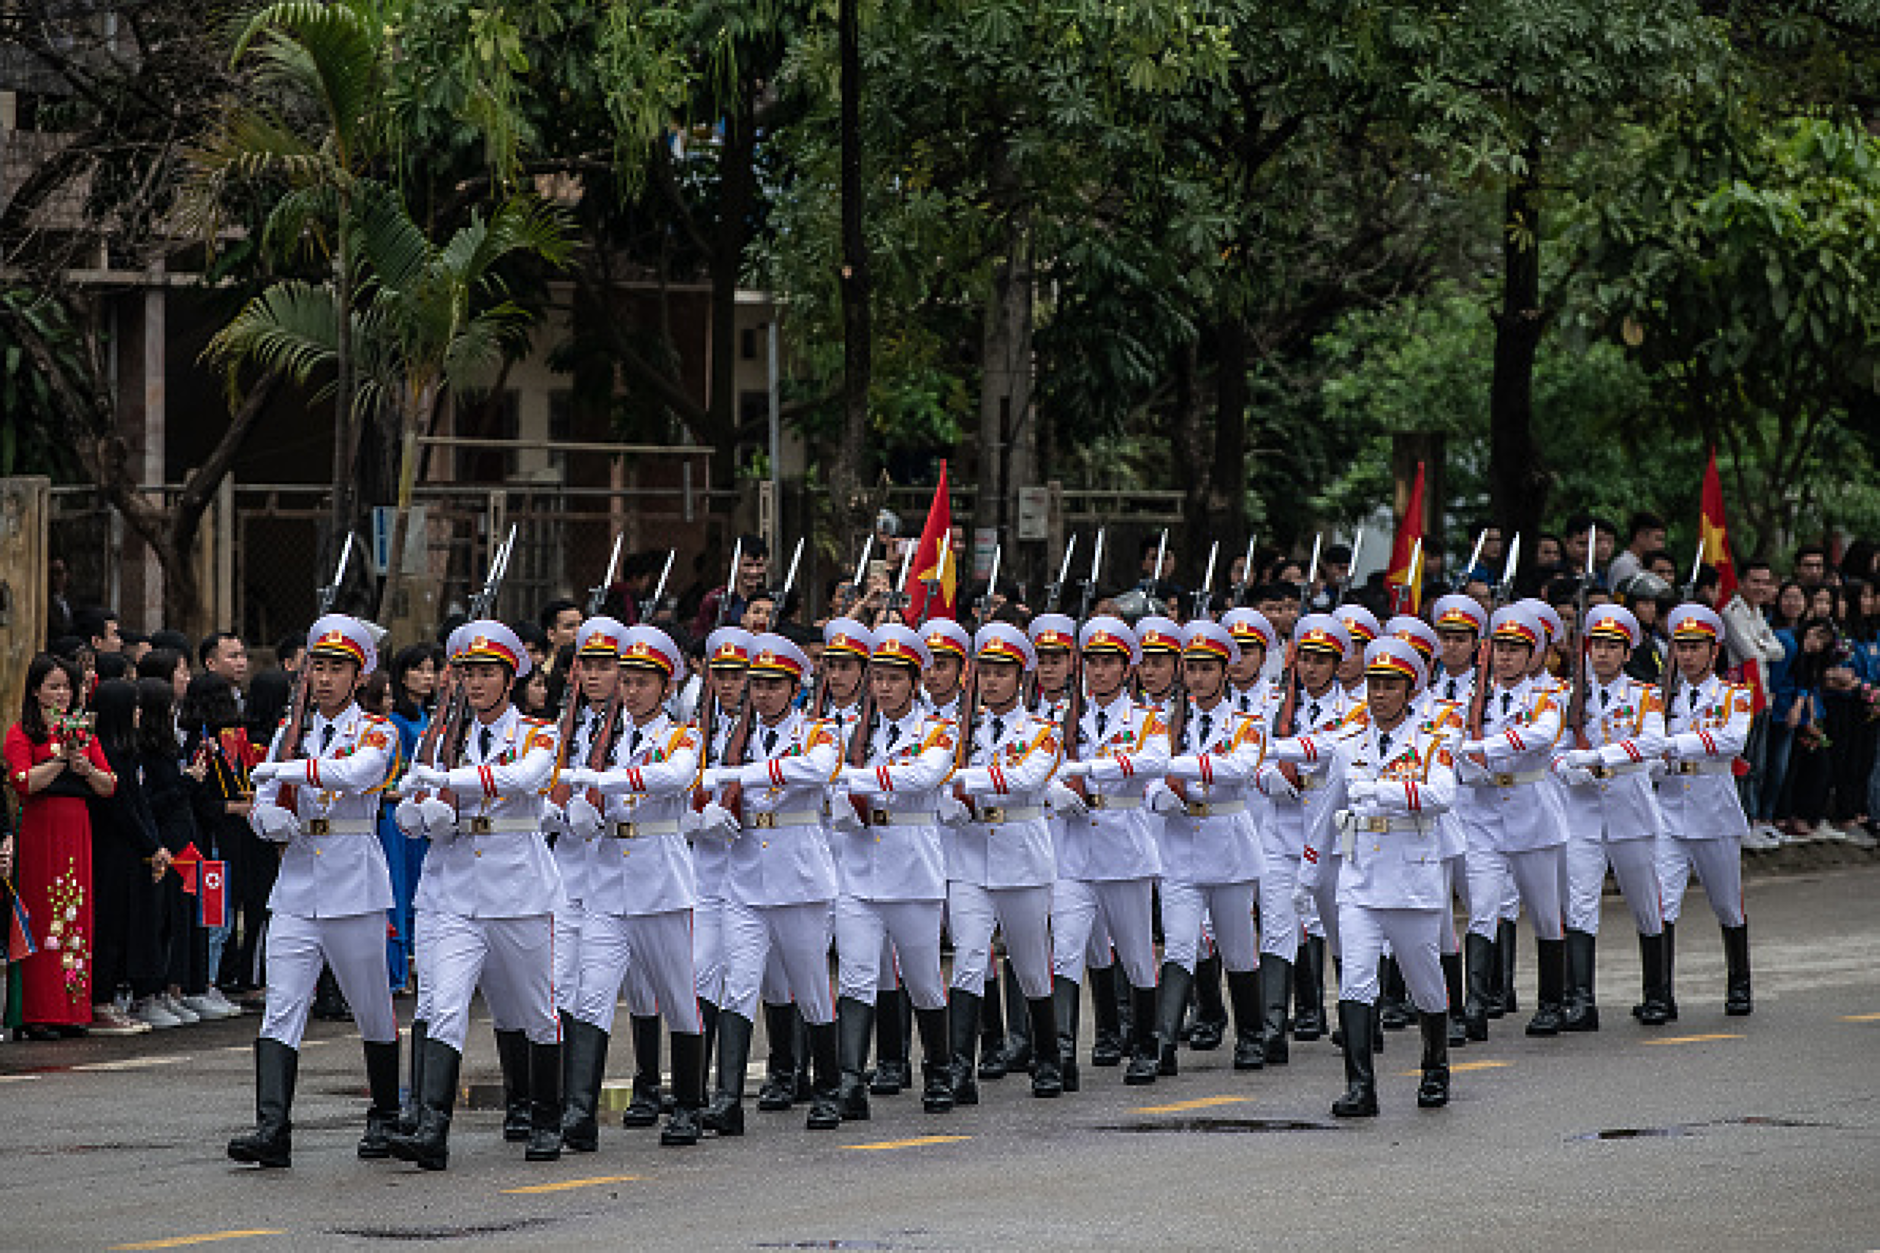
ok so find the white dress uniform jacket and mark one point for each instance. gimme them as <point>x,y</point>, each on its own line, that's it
<point>1209,839</point>
<point>781,857</point>
<point>897,855</point>
<point>1503,806</point>
<point>334,866</point>
<point>1625,722</point>
<point>1391,845</point>
<point>642,864</point>
<point>496,864</point>
<point>1127,747</point>
<point>1708,727</point>
<point>1007,843</point>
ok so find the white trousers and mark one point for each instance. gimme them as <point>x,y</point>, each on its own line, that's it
<point>863,929</point>
<point>1184,905</point>
<point>1279,911</point>
<point>1413,935</point>
<point>570,923</point>
<point>423,939</point>
<point>799,934</point>
<point>1024,914</point>
<point>1318,911</point>
<point>1719,865</point>
<point>1123,907</point>
<point>708,949</point>
<point>1456,877</point>
<point>1536,876</point>
<point>354,947</point>
<point>652,954</point>
<point>514,961</point>
<point>1634,865</point>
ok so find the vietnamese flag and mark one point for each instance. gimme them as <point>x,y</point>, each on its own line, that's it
<point>1715,534</point>
<point>934,561</point>
<point>188,867</point>
<point>1405,576</point>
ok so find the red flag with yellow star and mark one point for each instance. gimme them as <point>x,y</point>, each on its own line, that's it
<point>1405,575</point>
<point>1716,533</point>
<point>933,560</point>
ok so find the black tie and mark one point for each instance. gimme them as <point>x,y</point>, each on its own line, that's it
<point>1207,728</point>
<point>326,738</point>
<point>1604,697</point>
<point>998,731</point>
<point>1383,747</point>
<point>1693,698</point>
<point>1452,689</point>
<point>770,741</point>
<point>485,742</point>
<point>894,733</point>
<point>1312,714</point>
<point>1102,720</point>
<point>1507,702</point>
<point>633,742</point>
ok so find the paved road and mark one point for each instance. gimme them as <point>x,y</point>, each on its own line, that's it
<point>1717,1133</point>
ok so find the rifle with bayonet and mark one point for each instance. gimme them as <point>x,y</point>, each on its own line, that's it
<point>982,609</point>
<point>1504,593</point>
<point>1576,705</point>
<point>1673,673</point>
<point>856,753</point>
<point>1237,595</point>
<point>560,793</point>
<point>1074,695</point>
<point>299,711</point>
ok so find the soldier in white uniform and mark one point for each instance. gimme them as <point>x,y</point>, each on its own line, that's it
<point>1000,864</point>
<point>1108,861</point>
<point>1295,793</point>
<point>727,658</point>
<point>495,889</point>
<point>643,889</point>
<point>1708,724</point>
<point>892,870</point>
<point>329,899</point>
<point>1390,777</point>
<point>1514,826</point>
<point>943,683</point>
<point>779,880</point>
<point>1211,858</point>
<point>1612,815</point>
<point>594,716</point>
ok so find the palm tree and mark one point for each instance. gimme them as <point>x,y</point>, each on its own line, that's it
<point>430,319</point>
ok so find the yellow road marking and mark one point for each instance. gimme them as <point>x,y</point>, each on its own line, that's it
<point>1205,1102</point>
<point>1861,1018</point>
<point>177,1242</point>
<point>1694,1039</point>
<point>17,1078</point>
<point>132,1063</point>
<point>1456,1066</point>
<point>915,1143</point>
<point>570,1184</point>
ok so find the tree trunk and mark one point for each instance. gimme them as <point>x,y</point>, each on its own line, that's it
<point>737,189</point>
<point>393,600</point>
<point>1226,517</point>
<point>345,427</point>
<point>845,477</point>
<point>1186,442</point>
<point>1005,356</point>
<point>1518,483</point>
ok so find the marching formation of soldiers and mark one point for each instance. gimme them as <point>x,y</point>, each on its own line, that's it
<point>1053,797</point>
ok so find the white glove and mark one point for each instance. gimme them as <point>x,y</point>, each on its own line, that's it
<point>1469,770</point>
<point>274,824</point>
<point>421,776</point>
<point>842,815</point>
<point>1575,776</point>
<point>1657,769</point>
<point>1074,770</point>
<point>1361,792</point>
<point>719,822</point>
<point>409,818</point>
<point>1308,873</point>
<point>1278,787</point>
<point>583,819</point>
<point>952,810</point>
<point>579,778</point>
<point>861,779</point>
<point>689,823</point>
<point>1067,803</point>
<point>1472,748</point>
<point>714,777</point>
<point>265,771</point>
<point>1162,800</point>
<point>1583,758</point>
<point>440,820</point>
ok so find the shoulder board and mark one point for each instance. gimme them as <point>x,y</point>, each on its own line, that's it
<point>375,718</point>
<point>533,722</point>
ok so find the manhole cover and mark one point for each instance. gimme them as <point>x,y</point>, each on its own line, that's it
<point>1221,1126</point>
<point>1636,1133</point>
<point>463,1232</point>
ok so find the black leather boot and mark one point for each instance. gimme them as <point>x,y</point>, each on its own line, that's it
<point>1360,1098</point>
<point>583,1069</point>
<point>825,1102</point>
<point>271,1143</point>
<point>855,1021</point>
<point>1144,1055</point>
<point>725,1115</point>
<point>1243,989</point>
<point>964,1028</point>
<point>991,1011</point>
<point>1276,985</point>
<point>1483,967</point>
<point>544,1103</point>
<point>1394,1011</point>
<point>688,1089</point>
<point>1106,1041</point>
<point>1066,1005</point>
<point>1736,1002</point>
<point>1210,1023</point>
<point>1125,1008</point>
<point>408,1112</point>
<point>1047,1078</point>
<point>643,1109</point>
<point>779,1090</point>
<point>1171,1002</point>
<point>1651,1010</point>
<point>1433,1091</point>
<point>936,1059</point>
<point>1671,972</point>
<point>1308,974</point>
<point>1582,1012</point>
<point>893,1057</point>
<point>1452,983</point>
<point>382,1118</point>
<point>429,1145</point>
<point>1506,949</point>
<point>1550,977</point>
<point>805,1081</point>
<point>708,1014</point>
<point>512,1054</point>
<point>1018,1051</point>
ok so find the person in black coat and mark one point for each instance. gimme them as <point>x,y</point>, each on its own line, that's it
<point>127,859</point>
<point>181,949</point>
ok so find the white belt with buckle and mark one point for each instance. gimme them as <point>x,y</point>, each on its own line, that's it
<point>499,826</point>
<point>994,815</point>
<point>1623,768</point>
<point>1201,809</point>
<point>772,819</point>
<point>341,826</point>
<point>899,818</point>
<point>636,830</point>
<point>1383,824</point>
<point>1708,766</point>
<point>1510,778</point>
<point>1098,801</point>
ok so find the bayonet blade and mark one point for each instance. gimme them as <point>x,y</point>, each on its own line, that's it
<point>659,592</point>
<point>789,580</point>
<point>1312,571</point>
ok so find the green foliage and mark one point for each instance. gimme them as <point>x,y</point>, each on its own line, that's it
<point>33,440</point>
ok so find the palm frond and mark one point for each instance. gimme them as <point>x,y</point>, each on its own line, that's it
<point>392,245</point>
<point>291,327</point>
<point>300,222</point>
<point>330,49</point>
